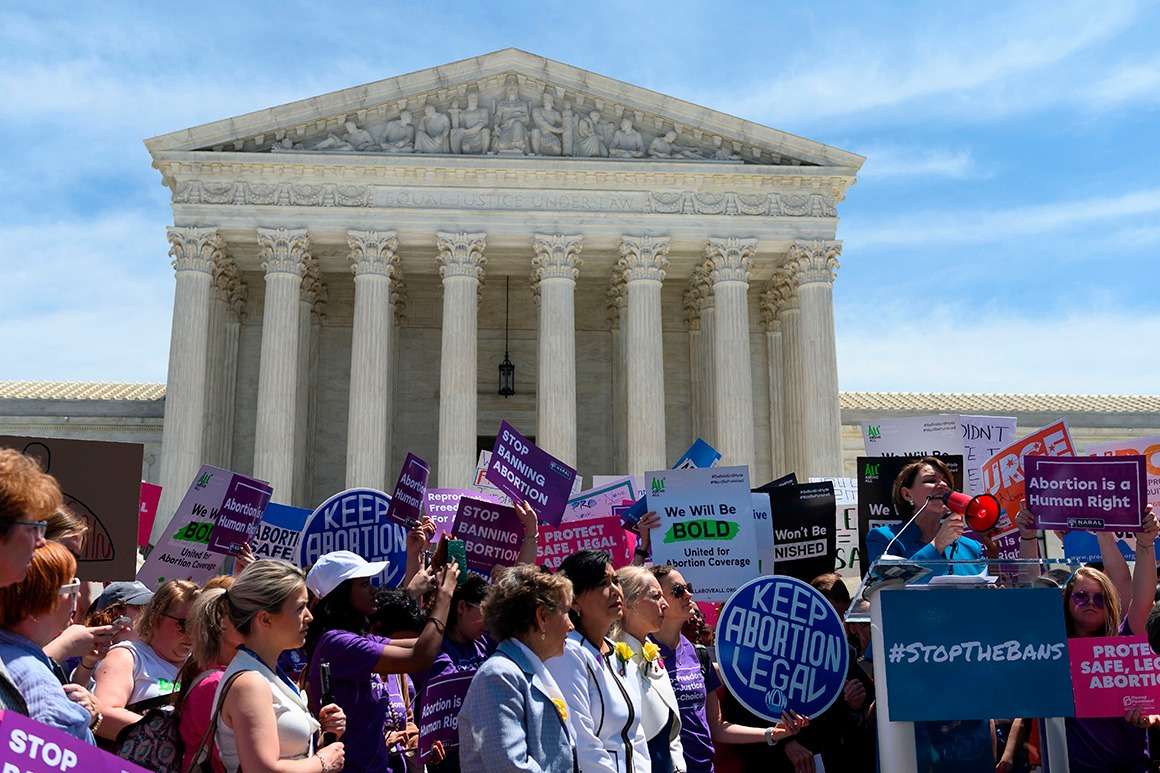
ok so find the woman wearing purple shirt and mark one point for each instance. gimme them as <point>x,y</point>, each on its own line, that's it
<point>359,661</point>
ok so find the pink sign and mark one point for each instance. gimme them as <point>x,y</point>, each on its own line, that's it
<point>559,542</point>
<point>1111,675</point>
<point>148,500</point>
<point>711,610</point>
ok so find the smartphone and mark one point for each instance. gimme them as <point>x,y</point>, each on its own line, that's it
<point>457,552</point>
<point>327,696</point>
<point>123,622</point>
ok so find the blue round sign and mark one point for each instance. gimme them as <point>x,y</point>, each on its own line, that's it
<point>781,645</point>
<point>356,520</point>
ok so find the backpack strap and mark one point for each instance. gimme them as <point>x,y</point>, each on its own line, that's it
<point>706,663</point>
<point>206,739</point>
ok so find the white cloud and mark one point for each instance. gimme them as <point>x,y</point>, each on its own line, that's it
<point>945,227</point>
<point>1090,351</point>
<point>1129,82</point>
<point>894,161</point>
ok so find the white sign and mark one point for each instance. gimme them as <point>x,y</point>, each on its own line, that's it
<point>763,525</point>
<point>846,513</point>
<point>983,437</point>
<point>707,528</point>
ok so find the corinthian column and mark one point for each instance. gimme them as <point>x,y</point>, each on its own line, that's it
<point>194,251</point>
<point>770,302</point>
<point>372,257</point>
<point>784,290</point>
<point>554,269</point>
<point>461,263</point>
<point>221,368</point>
<point>644,260</point>
<point>728,262</point>
<point>701,315</point>
<point>284,253</point>
<point>312,299</point>
<point>815,264</point>
<point>618,324</point>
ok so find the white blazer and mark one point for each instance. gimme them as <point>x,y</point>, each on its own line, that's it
<point>653,693</point>
<point>601,710</point>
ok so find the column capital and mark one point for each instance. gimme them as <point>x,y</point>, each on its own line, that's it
<point>557,256</point>
<point>398,297</point>
<point>770,304</point>
<point>283,250</point>
<point>194,249</point>
<point>783,289</point>
<point>314,291</point>
<point>698,297</point>
<point>461,254</point>
<point>228,282</point>
<point>814,262</point>
<point>372,252</point>
<point>728,258</point>
<point>617,297</point>
<point>644,257</point>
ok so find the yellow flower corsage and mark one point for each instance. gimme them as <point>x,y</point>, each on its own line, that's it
<point>623,651</point>
<point>650,652</point>
<point>561,708</point>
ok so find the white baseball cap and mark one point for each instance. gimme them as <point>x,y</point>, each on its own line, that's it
<point>333,569</point>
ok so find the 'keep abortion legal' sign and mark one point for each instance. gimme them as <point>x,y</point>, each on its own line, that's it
<point>526,472</point>
<point>1096,493</point>
<point>781,646</point>
<point>356,520</point>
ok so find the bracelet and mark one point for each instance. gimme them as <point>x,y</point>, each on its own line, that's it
<point>322,762</point>
<point>769,736</point>
<point>440,626</point>
<point>98,718</point>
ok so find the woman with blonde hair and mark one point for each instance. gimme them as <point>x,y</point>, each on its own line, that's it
<point>264,725</point>
<point>644,611</point>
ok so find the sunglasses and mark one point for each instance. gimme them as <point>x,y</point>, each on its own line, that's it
<point>680,589</point>
<point>40,526</point>
<point>1081,598</point>
<point>180,622</point>
<point>71,588</point>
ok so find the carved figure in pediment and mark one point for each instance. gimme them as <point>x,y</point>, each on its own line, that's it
<point>432,133</point>
<point>627,142</point>
<point>722,153</point>
<point>605,130</point>
<point>548,128</point>
<point>588,143</point>
<point>470,133</point>
<point>399,136</point>
<point>354,139</point>
<point>666,146</point>
<point>511,121</point>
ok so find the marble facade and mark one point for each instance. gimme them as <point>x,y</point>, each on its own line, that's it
<point>340,266</point>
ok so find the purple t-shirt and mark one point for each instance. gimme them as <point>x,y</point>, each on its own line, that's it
<point>692,688</point>
<point>362,694</point>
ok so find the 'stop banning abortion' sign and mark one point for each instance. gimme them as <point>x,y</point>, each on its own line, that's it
<point>781,646</point>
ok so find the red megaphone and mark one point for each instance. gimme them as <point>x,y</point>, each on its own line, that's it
<point>981,512</point>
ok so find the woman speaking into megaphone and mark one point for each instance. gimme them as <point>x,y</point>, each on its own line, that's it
<point>931,529</point>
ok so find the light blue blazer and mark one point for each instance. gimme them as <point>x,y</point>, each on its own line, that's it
<point>509,723</point>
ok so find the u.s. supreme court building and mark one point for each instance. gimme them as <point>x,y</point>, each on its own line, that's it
<point>352,268</point>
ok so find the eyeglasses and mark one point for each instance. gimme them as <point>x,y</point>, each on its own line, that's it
<point>1081,598</point>
<point>71,588</point>
<point>179,620</point>
<point>680,589</point>
<point>40,526</point>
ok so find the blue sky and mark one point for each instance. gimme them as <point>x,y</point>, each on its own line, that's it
<point>1003,235</point>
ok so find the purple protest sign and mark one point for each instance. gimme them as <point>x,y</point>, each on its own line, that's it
<point>524,471</point>
<point>1086,492</point>
<point>438,718</point>
<point>407,501</point>
<point>492,534</point>
<point>442,505</point>
<point>242,508</point>
<point>30,747</point>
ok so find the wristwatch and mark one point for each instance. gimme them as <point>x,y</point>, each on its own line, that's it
<point>769,736</point>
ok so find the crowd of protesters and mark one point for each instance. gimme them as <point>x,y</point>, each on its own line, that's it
<point>588,668</point>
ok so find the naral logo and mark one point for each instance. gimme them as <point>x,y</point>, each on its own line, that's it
<point>658,485</point>
<point>202,481</point>
<point>874,431</point>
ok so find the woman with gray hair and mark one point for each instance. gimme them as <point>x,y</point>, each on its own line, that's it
<point>264,725</point>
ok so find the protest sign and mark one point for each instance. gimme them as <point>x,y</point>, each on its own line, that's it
<point>938,638</point>
<point>525,472</point>
<point>789,479</point>
<point>491,533</point>
<point>1003,471</point>
<point>356,520</point>
<point>699,455</point>
<point>30,747</point>
<point>442,504</point>
<point>1147,447</point>
<point>555,543</point>
<point>183,553</point>
<point>707,529</point>
<point>238,517</point>
<point>763,531</point>
<point>876,476</point>
<point>711,612</point>
<point>1084,546</point>
<point>1111,675</point>
<point>481,483</point>
<point>147,501</point>
<point>782,646</point>
<point>600,501</point>
<point>913,436</point>
<point>630,514</point>
<point>101,484</point>
<point>407,501</point>
<point>279,532</point>
<point>1094,493</point>
<point>983,436</point>
<point>804,542</point>
<point>438,718</point>
<point>846,527</point>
